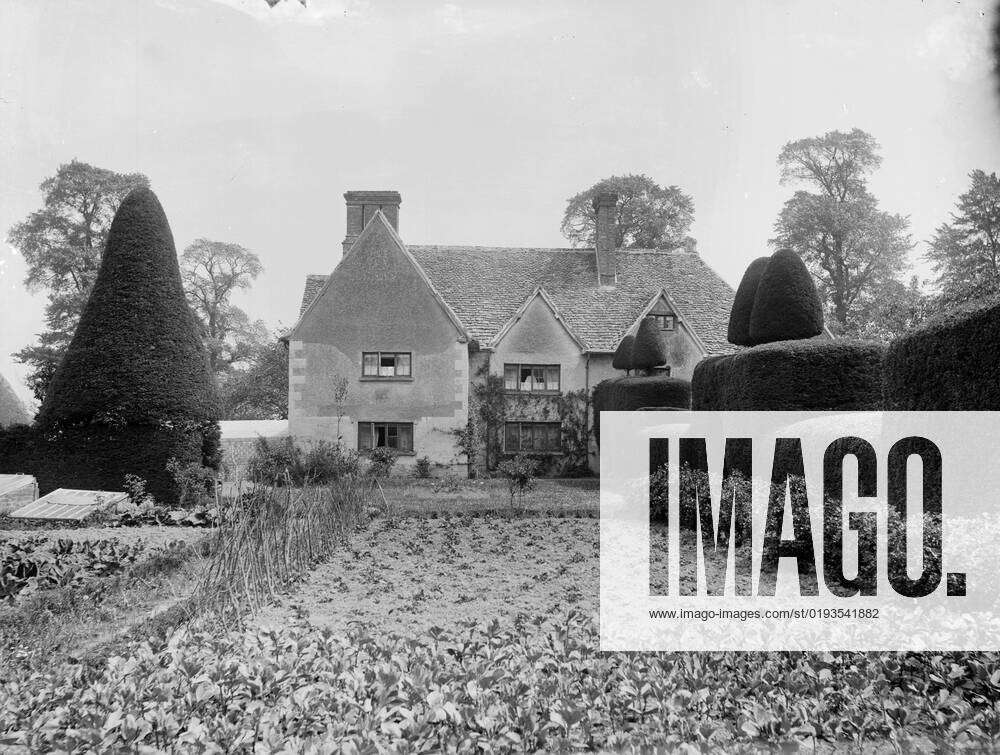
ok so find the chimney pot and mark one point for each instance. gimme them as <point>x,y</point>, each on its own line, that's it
<point>362,206</point>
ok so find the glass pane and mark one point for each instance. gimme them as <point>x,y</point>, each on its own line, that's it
<point>403,364</point>
<point>511,438</point>
<point>539,375</point>
<point>526,379</point>
<point>364,436</point>
<point>406,437</point>
<point>370,364</point>
<point>668,322</point>
<point>510,377</point>
<point>554,440</point>
<point>387,365</point>
<point>552,378</point>
<point>527,441</point>
<point>392,436</point>
<point>380,435</point>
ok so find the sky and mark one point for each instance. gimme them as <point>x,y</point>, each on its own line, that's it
<point>252,122</point>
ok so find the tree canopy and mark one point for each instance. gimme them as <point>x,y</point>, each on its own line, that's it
<point>647,216</point>
<point>211,271</point>
<point>62,243</point>
<point>260,391</point>
<point>966,251</point>
<point>852,246</point>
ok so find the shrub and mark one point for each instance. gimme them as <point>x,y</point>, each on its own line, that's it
<point>786,304</point>
<point>520,475</point>
<point>423,467</point>
<point>622,360</point>
<point>814,375</point>
<point>283,461</point>
<point>195,483</point>
<point>950,362</point>
<point>648,350</point>
<point>134,388</point>
<point>629,393</point>
<point>739,316</point>
<point>381,461</point>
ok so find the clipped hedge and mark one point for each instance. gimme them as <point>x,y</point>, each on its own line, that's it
<point>739,315</point>
<point>629,393</point>
<point>809,375</point>
<point>950,362</point>
<point>66,458</point>
<point>786,304</point>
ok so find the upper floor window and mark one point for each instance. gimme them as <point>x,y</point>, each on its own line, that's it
<point>664,322</point>
<point>531,377</point>
<point>385,364</point>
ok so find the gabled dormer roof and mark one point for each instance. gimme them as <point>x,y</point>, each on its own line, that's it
<point>538,293</point>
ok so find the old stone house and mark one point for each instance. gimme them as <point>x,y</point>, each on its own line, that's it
<point>401,346</point>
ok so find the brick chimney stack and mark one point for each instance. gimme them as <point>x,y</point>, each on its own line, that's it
<point>605,242</point>
<point>362,206</point>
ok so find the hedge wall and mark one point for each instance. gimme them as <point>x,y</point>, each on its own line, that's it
<point>811,375</point>
<point>67,458</point>
<point>950,362</point>
<point>628,393</point>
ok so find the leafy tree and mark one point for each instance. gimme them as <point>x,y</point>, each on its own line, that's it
<point>647,216</point>
<point>966,252</point>
<point>896,308</point>
<point>648,349</point>
<point>261,390</point>
<point>62,245</point>
<point>134,389</point>
<point>850,245</point>
<point>211,272</point>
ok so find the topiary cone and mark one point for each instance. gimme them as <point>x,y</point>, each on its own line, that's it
<point>648,350</point>
<point>136,355</point>
<point>622,360</point>
<point>134,388</point>
<point>739,316</point>
<point>786,306</point>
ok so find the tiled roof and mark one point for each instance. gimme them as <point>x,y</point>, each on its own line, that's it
<point>486,285</point>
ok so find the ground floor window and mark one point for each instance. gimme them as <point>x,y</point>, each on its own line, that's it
<point>395,435</point>
<point>528,437</point>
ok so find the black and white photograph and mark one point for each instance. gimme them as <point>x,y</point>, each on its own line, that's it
<point>480,377</point>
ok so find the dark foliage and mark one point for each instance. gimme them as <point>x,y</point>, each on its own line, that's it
<point>134,388</point>
<point>97,457</point>
<point>739,316</point>
<point>815,374</point>
<point>629,393</point>
<point>786,305</point>
<point>622,360</point>
<point>284,461</point>
<point>648,350</point>
<point>950,362</point>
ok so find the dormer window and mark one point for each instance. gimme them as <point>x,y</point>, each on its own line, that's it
<point>664,322</point>
<point>385,364</point>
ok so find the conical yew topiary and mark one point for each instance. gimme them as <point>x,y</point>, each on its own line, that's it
<point>622,360</point>
<point>739,316</point>
<point>136,372</point>
<point>786,306</point>
<point>648,350</point>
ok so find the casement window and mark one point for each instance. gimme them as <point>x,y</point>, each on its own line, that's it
<point>532,437</point>
<point>385,364</point>
<point>395,435</point>
<point>531,378</point>
<point>664,322</point>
